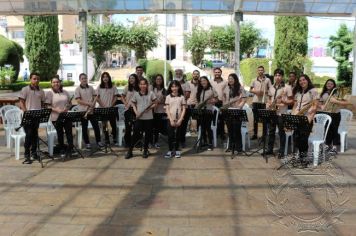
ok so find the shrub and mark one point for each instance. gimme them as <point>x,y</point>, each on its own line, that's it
<point>249,68</point>
<point>44,84</point>
<point>319,81</point>
<point>120,83</point>
<point>11,53</point>
<point>188,76</point>
<point>154,67</point>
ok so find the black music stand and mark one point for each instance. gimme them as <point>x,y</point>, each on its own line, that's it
<point>231,115</point>
<point>104,114</point>
<point>35,117</point>
<point>72,116</point>
<point>255,107</point>
<point>264,116</point>
<point>201,115</point>
<point>293,122</point>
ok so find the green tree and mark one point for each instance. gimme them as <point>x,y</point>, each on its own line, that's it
<point>196,43</point>
<point>342,44</point>
<point>11,53</point>
<point>223,38</point>
<point>42,45</point>
<point>102,38</point>
<point>291,42</point>
<point>141,38</point>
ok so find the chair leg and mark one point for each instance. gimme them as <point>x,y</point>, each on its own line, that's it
<point>286,146</point>
<point>120,136</point>
<point>8,138</point>
<point>50,145</point>
<point>17,148</point>
<point>79,137</point>
<point>214,137</point>
<point>342,142</point>
<point>243,139</point>
<point>316,148</point>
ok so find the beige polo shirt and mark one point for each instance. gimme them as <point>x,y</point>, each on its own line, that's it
<point>185,87</point>
<point>142,102</point>
<point>33,97</point>
<point>303,99</point>
<point>57,100</point>
<point>330,105</point>
<point>227,98</point>
<point>174,105</point>
<point>107,95</point>
<point>128,95</point>
<point>192,100</point>
<point>284,92</point>
<point>219,88</point>
<point>208,94</point>
<point>160,99</point>
<point>261,85</point>
<point>85,94</point>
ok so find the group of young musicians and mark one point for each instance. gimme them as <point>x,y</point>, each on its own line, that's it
<point>152,109</point>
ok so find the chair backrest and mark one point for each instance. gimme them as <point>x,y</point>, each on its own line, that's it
<point>4,109</point>
<point>75,108</point>
<point>121,112</point>
<point>245,106</point>
<point>249,116</point>
<point>216,116</point>
<point>13,118</point>
<point>321,126</point>
<point>346,117</point>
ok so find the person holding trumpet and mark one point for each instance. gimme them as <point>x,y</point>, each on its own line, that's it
<point>280,97</point>
<point>59,101</point>
<point>86,98</point>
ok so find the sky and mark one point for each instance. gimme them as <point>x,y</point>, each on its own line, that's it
<point>320,28</point>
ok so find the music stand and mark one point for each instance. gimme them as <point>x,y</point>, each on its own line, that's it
<point>72,116</point>
<point>264,116</point>
<point>255,107</point>
<point>231,115</point>
<point>33,118</point>
<point>293,122</point>
<point>201,115</point>
<point>104,114</point>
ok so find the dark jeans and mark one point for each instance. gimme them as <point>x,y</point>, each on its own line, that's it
<point>173,137</point>
<point>206,132</point>
<point>272,134</point>
<point>62,127</point>
<point>235,138</point>
<point>158,125</point>
<point>184,126</point>
<point>221,122</point>
<point>112,121</point>
<point>301,139</point>
<point>95,125</point>
<point>333,137</point>
<point>255,121</point>
<point>31,139</point>
<point>129,117</point>
<point>142,126</point>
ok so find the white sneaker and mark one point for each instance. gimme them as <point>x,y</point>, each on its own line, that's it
<point>178,154</point>
<point>168,155</point>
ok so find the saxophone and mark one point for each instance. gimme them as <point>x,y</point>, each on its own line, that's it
<point>204,103</point>
<point>273,106</point>
<point>227,105</point>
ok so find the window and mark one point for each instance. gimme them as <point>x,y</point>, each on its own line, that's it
<point>171,20</point>
<point>185,22</point>
<point>18,34</point>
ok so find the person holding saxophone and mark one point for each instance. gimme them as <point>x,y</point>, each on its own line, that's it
<point>234,96</point>
<point>280,97</point>
<point>306,100</point>
<point>60,101</point>
<point>259,88</point>
<point>86,98</point>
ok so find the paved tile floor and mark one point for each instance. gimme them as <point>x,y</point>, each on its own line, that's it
<point>200,194</point>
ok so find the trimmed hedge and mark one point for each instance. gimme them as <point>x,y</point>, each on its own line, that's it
<point>11,53</point>
<point>120,83</point>
<point>44,84</point>
<point>319,81</point>
<point>249,68</point>
<point>154,67</point>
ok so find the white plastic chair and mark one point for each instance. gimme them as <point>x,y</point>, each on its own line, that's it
<point>3,110</point>
<point>51,136</point>
<point>214,125</point>
<point>120,124</point>
<point>13,119</point>
<point>346,117</point>
<point>318,135</point>
<point>289,135</point>
<point>245,128</point>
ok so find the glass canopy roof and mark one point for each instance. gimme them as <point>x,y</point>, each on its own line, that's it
<point>272,7</point>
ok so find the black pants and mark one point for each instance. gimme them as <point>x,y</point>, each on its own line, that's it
<point>333,137</point>
<point>95,125</point>
<point>31,139</point>
<point>221,122</point>
<point>206,132</point>
<point>158,125</point>
<point>272,134</point>
<point>235,138</point>
<point>255,121</point>
<point>112,121</point>
<point>62,127</point>
<point>142,126</point>
<point>129,117</point>
<point>173,137</point>
<point>301,139</point>
<point>184,126</point>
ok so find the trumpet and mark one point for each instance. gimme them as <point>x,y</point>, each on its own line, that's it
<point>90,108</point>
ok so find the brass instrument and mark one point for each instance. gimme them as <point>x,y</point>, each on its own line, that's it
<point>203,104</point>
<point>69,103</point>
<point>273,106</point>
<point>227,105</point>
<point>264,90</point>
<point>90,108</point>
<point>340,97</point>
<point>327,102</point>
